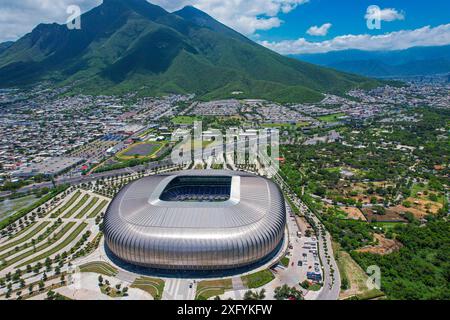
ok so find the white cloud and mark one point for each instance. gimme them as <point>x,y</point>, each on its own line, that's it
<point>399,40</point>
<point>319,31</point>
<point>18,17</point>
<point>388,14</point>
<point>245,16</point>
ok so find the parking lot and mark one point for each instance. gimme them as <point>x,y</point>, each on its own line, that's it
<point>303,255</point>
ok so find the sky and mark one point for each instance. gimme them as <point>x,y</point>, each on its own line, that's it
<point>286,26</point>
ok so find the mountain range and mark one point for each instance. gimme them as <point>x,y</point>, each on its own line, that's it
<point>417,61</point>
<point>133,45</point>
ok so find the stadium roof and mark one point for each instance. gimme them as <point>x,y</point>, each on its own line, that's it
<point>139,203</point>
<point>238,231</point>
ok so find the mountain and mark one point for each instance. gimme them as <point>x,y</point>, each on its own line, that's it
<point>5,45</point>
<point>132,45</point>
<point>410,62</point>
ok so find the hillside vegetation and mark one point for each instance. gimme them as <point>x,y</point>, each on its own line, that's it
<point>132,45</point>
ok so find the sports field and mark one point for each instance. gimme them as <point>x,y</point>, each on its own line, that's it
<point>331,117</point>
<point>186,120</point>
<point>140,150</point>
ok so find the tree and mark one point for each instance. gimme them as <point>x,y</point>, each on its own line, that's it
<point>285,292</point>
<point>249,295</point>
<point>281,293</point>
<point>407,204</point>
<point>50,295</point>
<point>345,283</point>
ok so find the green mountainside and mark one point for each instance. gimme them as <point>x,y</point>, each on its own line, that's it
<point>5,45</point>
<point>132,45</point>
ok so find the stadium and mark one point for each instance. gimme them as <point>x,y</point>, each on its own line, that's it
<point>196,220</point>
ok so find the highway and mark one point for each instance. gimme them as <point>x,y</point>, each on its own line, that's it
<point>149,166</point>
<point>91,177</point>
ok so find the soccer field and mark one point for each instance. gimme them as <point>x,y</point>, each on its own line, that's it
<point>140,150</point>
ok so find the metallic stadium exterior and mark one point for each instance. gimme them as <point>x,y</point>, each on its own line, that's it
<point>196,220</point>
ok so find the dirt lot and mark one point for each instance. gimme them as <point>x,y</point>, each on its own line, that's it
<point>421,206</point>
<point>353,213</point>
<point>390,216</point>
<point>384,246</point>
<point>366,199</point>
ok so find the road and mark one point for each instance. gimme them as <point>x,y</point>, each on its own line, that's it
<point>332,280</point>
<point>91,177</point>
<point>197,154</point>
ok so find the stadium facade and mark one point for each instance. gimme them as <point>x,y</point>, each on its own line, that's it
<point>196,220</point>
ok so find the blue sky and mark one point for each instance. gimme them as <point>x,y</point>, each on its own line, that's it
<point>347,17</point>
<point>286,26</point>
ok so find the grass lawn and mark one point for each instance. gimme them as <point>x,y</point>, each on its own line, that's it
<point>355,276</point>
<point>187,120</point>
<point>27,245</point>
<point>76,207</point>
<point>285,125</point>
<point>98,209</point>
<point>416,188</point>
<point>111,291</point>
<point>276,125</point>
<point>293,207</point>
<point>315,287</point>
<point>386,225</point>
<point>302,124</point>
<point>62,209</point>
<point>22,231</point>
<point>331,117</point>
<point>86,208</point>
<point>334,170</point>
<point>258,279</point>
<point>44,246</point>
<point>10,206</point>
<point>155,287</point>
<point>99,267</point>
<point>62,245</point>
<point>285,261</point>
<point>211,288</point>
<point>25,238</point>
